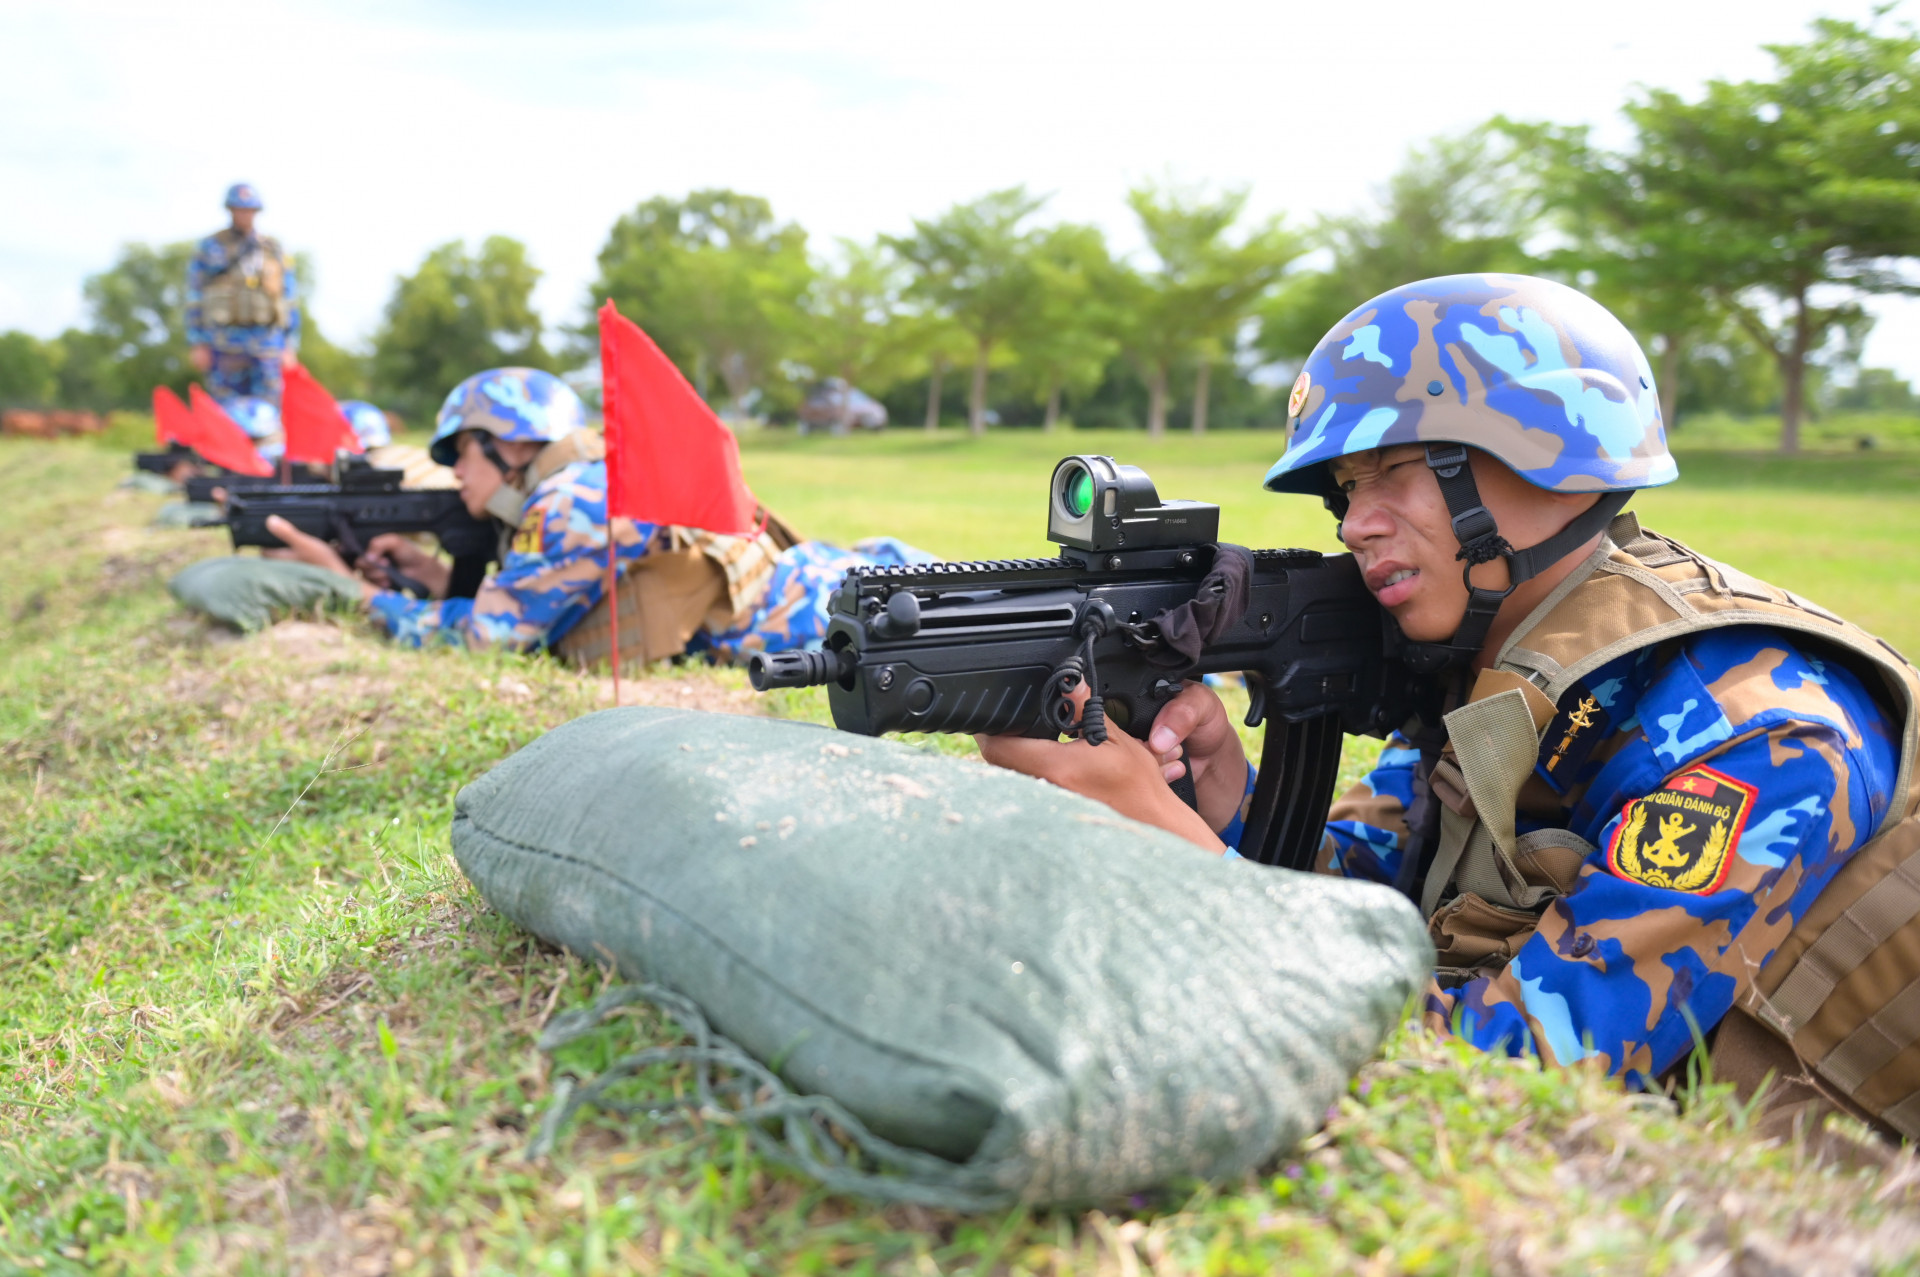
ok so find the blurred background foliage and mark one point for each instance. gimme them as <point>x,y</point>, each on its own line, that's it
<point>1740,233</point>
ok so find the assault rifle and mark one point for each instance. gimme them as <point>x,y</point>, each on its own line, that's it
<point>165,463</point>
<point>1141,599</point>
<point>366,503</point>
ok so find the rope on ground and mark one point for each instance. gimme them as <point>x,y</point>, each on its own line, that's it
<point>809,1133</point>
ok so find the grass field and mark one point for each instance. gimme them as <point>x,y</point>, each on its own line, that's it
<point>255,1021</point>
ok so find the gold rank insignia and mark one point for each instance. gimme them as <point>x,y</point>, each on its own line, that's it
<point>1681,836</point>
<point>527,539</point>
<point>1569,741</point>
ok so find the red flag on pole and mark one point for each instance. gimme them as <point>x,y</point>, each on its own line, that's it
<point>669,458</point>
<point>172,423</point>
<point>314,425</point>
<point>221,440</point>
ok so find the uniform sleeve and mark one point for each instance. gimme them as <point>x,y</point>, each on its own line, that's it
<point>1367,826</point>
<point>198,270</point>
<point>1691,887</point>
<point>794,612</point>
<point>552,575</point>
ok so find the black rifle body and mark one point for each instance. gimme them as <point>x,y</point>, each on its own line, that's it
<point>986,640</point>
<point>370,503</point>
<point>201,486</point>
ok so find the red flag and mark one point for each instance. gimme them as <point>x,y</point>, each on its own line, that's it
<point>172,423</point>
<point>669,459</point>
<point>222,441</point>
<point>314,425</point>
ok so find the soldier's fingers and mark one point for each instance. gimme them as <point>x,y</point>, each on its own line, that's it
<point>288,534</point>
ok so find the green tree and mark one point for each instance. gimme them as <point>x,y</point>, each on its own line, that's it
<point>1793,198</point>
<point>1064,344</point>
<point>1876,390</point>
<point>715,280</point>
<point>1202,287</point>
<point>975,265</point>
<point>29,371</point>
<point>855,327</point>
<point>1639,265</point>
<point>88,372</point>
<point>136,308</point>
<point>458,314</point>
<point>1458,204</point>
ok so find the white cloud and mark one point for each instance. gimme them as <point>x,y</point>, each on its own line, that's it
<point>376,131</point>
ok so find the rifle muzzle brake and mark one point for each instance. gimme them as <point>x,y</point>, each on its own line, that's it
<point>798,669</point>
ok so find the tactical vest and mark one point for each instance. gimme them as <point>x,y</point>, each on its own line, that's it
<point>689,579</point>
<point>1843,989</point>
<point>251,291</point>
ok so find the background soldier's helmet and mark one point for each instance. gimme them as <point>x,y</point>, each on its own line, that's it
<point>1533,372</point>
<point>507,403</point>
<point>258,417</point>
<point>242,195</point>
<point>369,423</point>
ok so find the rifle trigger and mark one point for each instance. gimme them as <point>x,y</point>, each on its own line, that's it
<point>1256,699</point>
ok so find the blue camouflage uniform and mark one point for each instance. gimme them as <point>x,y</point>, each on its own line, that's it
<point>555,572</point>
<point>246,359</point>
<point>1796,750</point>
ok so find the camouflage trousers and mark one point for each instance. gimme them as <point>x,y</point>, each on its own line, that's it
<point>237,373</point>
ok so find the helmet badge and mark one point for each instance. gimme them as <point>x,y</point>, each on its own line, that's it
<point>1297,401</point>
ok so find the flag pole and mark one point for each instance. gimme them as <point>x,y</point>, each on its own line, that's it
<point>613,613</point>
<point>607,378</point>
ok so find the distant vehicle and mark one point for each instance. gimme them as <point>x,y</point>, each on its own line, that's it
<point>837,408</point>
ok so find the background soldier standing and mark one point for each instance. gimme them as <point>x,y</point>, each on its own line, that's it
<point>241,315</point>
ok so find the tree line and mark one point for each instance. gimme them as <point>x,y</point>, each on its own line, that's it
<point>1739,233</point>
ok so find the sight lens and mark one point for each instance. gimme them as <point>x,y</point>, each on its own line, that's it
<point>1076,492</point>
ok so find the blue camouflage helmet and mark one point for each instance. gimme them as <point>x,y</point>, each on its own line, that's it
<point>507,403</point>
<point>257,417</point>
<point>369,423</point>
<point>242,195</point>
<point>1530,371</point>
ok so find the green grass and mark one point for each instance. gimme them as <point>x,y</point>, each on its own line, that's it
<point>255,1021</point>
<point>1835,432</point>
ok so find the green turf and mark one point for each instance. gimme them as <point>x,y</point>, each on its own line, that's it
<point>254,1020</point>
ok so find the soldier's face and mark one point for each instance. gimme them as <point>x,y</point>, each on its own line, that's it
<point>243,219</point>
<point>479,477</point>
<point>1399,530</point>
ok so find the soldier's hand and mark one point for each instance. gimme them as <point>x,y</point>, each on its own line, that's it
<point>390,549</point>
<point>289,358</point>
<point>1122,773</point>
<point>311,549</point>
<point>201,357</point>
<point>1196,719</point>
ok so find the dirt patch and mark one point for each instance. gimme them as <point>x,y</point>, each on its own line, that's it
<point>307,644</point>
<point>693,691</point>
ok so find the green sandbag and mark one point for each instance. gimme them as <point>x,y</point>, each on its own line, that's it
<point>187,514</point>
<point>1062,1003</point>
<point>247,592</point>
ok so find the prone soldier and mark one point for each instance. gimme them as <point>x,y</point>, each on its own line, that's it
<point>518,442</point>
<point>1665,800</point>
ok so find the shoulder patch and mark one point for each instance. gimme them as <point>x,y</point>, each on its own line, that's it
<point>529,538</point>
<point>1681,836</point>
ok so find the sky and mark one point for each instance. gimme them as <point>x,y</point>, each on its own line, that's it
<point>376,129</point>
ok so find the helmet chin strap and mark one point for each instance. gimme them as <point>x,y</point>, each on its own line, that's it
<point>1481,542</point>
<point>509,501</point>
